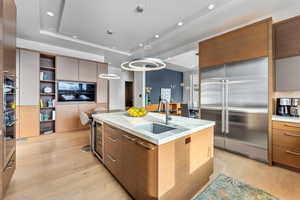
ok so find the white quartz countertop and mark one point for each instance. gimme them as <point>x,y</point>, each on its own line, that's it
<point>286,119</point>
<point>184,126</point>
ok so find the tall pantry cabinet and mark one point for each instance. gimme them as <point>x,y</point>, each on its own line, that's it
<point>8,93</point>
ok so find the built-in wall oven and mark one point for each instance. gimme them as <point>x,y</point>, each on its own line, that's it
<point>97,140</point>
<point>9,125</point>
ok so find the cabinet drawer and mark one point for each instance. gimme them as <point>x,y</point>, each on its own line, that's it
<point>112,146</point>
<point>287,126</point>
<point>112,132</point>
<point>113,164</point>
<point>286,156</point>
<point>285,138</point>
<point>9,171</point>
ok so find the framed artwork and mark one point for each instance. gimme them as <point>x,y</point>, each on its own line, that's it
<point>165,94</point>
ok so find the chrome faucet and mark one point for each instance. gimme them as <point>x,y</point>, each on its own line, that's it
<point>166,110</point>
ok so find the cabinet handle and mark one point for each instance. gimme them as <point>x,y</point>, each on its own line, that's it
<point>293,126</point>
<point>110,158</point>
<point>129,138</point>
<point>146,146</point>
<point>293,153</point>
<point>292,134</point>
<point>112,139</point>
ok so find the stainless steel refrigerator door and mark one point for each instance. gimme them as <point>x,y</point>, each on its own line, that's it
<point>246,101</point>
<point>212,101</point>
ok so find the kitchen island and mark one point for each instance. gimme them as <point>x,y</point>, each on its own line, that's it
<point>152,160</point>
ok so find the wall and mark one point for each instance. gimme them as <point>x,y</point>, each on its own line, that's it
<point>164,79</point>
<point>52,49</point>
<point>117,88</point>
<point>139,89</point>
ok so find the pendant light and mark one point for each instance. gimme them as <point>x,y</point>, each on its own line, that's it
<point>143,64</point>
<point>109,76</point>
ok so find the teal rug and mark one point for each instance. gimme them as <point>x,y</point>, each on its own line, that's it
<point>228,188</point>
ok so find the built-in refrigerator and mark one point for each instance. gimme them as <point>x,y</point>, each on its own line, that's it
<point>235,96</point>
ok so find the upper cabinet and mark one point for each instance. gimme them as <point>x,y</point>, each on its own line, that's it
<point>287,38</point>
<point>102,84</point>
<point>87,71</point>
<point>243,44</point>
<point>29,78</point>
<point>67,68</point>
<point>9,37</point>
<point>72,69</point>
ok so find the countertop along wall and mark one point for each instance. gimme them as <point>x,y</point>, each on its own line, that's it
<point>165,79</point>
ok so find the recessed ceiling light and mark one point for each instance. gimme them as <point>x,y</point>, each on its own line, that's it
<point>51,14</point>
<point>141,45</point>
<point>211,6</point>
<point>109,32</point>
<point>74,36</point>
<point>180,23</point>
<point>156,36</point>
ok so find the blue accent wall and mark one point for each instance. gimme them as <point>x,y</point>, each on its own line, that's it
<point>164,79</point>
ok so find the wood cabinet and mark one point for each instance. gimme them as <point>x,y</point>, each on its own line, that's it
<point>87,71</point>
<point>67,68</point>
<point>286,143</point>
<point>9,37</point>
<point>243,44</point>
<point>67,118</point>
<point>29,125</point>
<point>175,170</point>
<point>29,78</point>
<point>102,85</point>
<point>287,40</point>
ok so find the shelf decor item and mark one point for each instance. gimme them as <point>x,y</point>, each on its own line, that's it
<point>48,90</point>
<point>137,112</point>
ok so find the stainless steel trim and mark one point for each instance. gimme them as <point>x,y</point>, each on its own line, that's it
<point>129,138</point>
<point>292,134</point>
<point>111,158</point>
<point>292,153</point>
<point>145,146</point>
<point>226,107</point>
<point>223,106</point>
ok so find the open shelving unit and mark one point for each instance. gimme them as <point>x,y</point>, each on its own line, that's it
<point>47,93</point>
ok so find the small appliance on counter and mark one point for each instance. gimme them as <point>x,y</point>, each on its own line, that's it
<point>288,107</point>
<point>295,108</point>
<point>283,106</point>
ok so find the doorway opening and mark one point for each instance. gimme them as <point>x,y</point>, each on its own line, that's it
<point>128,94</point>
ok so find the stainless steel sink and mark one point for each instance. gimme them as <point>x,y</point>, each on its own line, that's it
<point>156,128</point>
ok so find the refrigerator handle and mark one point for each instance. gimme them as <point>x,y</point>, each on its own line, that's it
<point>223,106</point>
<point>226,107</point>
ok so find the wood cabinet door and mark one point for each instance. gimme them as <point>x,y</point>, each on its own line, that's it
<point>67,118</point>
<point>243,44</point>
<point>9,37</point>
<point>67,68</point>
<point>287,40</point>
<point>129,169</point>
<point>29,78</point>
<point>146,170</point>
<point>200,149</point>
<point>87,71</point>
<point>29,122</point>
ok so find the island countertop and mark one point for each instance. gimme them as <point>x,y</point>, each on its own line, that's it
<point>183,126</point>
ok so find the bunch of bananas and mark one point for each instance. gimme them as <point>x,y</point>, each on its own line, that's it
<point>137,112</point>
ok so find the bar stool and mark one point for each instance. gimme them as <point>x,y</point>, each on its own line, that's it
<point>85,120</point>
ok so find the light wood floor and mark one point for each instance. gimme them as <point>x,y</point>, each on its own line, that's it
<point>52,167</point>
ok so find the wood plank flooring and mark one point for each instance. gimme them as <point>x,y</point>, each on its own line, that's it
<point>52,167</point>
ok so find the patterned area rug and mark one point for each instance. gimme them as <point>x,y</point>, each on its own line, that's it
<point>228,188</point>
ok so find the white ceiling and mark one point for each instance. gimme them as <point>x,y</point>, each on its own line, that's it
<point>89,20</point>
